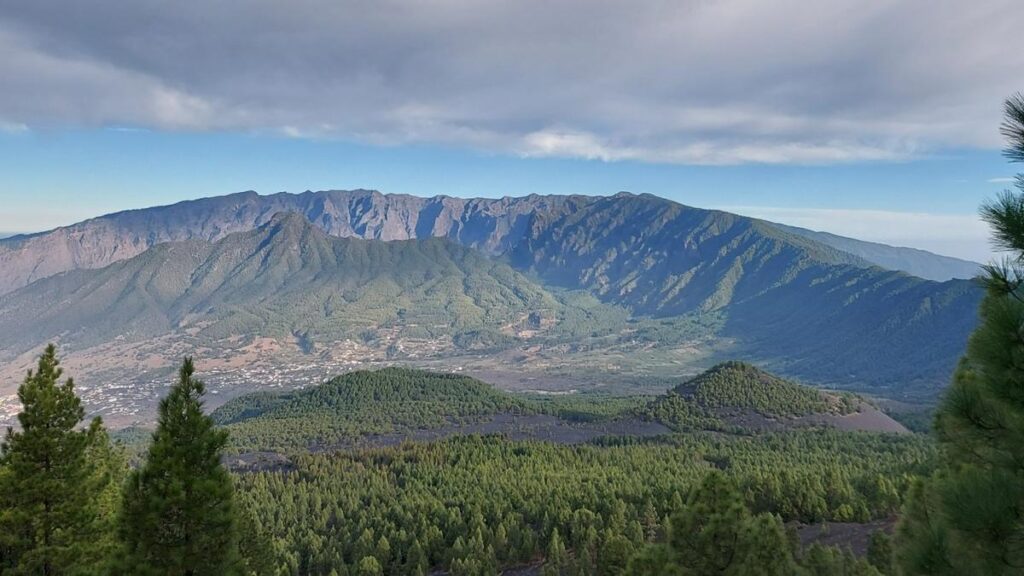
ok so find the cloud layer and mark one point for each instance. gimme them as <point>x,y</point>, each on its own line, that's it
<point>679,81</point>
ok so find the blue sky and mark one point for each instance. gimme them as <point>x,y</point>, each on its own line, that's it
<point>57,177</point>
<point>876,120</point>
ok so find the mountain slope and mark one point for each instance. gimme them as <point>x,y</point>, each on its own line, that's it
<point>802,307</point>
<point>805,308</point>
<point>494,226</point>
<point>663,258</point>
<point>915,262</point>
<point>282,279</point>
<point>489,225</point>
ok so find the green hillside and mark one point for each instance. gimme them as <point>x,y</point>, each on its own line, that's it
<point>735,389</point>
<point>288,279</point>
<point>361,403</point>
<point>801,306</point>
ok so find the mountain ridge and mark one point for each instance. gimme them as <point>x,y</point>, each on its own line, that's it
<point>267,281</point>
<point>654,274</point>
<point>913,261</point>
<point>494,226</point>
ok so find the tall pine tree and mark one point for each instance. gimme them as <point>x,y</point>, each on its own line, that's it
<point>55,516</point>
<point>716,534</point>
<point>178,516</point>
<point>969,518</point>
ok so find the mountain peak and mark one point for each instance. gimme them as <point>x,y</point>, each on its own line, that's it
<point>733,370</point>
<point>288,218</point>
<point>740,386</point>
<point>288,224</point>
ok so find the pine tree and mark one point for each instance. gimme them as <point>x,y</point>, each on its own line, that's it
<point>108,469</point>
<point>715,534</point>
<point>880,552</point>
<point>369,566</point>
<point>55,513</point>
<point>969,517</point>
<point>763,549</point>
<point>178,515</point>
<point>706,533</point>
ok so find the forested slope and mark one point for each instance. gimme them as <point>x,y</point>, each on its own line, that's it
<point>360,403</point>
<point>286,277</point>
<point>472,505</point>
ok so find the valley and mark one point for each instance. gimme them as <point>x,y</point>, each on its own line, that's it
<point>548,293</point>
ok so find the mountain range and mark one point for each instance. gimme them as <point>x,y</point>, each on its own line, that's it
<point>494,226</point>
<point>659,287</point>
<point>284,279</point>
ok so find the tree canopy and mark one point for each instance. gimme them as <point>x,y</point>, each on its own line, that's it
<point>969,517</point>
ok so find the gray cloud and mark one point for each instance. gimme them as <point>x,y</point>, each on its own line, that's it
<point>698,81</point>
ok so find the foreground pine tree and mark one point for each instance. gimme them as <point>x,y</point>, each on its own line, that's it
<point>716,534</point>
<point>178,513</point>
<point>56,481</point>
<point>969,518</point>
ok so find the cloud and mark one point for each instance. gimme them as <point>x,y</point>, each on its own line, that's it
<point>1001,180</point>
<point>12,128</point>
<point>689,81</point>
<point>960,235</point>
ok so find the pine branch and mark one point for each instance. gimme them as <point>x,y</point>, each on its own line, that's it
<point>1013,127</point>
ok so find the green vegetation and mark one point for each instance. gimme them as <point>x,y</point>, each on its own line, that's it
<point>716,534</point>
<point>400,400</point>
<point>585,407</point>
<point>968,518</point>
<point>737,385</point>
<point>485,501</point>
<point>919,420</point>
<point>178,515</point>
<point>361,403</point>
<point>58,481</point>
<point>475,504</point>
<point>736,388</point>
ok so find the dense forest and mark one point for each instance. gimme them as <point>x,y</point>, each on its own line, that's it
<point>474,504</point>
<point>359,403</point>
<point>468,504</point>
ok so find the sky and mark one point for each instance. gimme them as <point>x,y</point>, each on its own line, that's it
<point>876,120</point>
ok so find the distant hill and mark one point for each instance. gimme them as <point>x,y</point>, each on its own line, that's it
<point>389,406</point>
<point>738,396</point>
<point>916,262</point>
<point>285,279</point>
